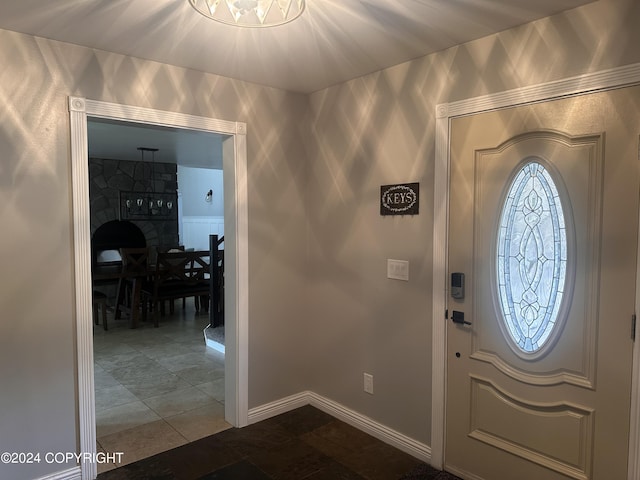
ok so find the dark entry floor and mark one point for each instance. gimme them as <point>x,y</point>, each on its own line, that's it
<point>305,443</point>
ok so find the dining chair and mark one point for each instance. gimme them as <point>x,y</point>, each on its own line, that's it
<point>171,249</point>
<point>135,273</point>
<point>178,275</point>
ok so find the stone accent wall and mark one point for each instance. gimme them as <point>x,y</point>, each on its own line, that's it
<point>108,177</point>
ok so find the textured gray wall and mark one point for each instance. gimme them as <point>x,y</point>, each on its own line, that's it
<point>38,410</point>
<point>321,311</point>
<point>379,130</point>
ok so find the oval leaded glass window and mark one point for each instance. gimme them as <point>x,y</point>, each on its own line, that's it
<point>531,257</point>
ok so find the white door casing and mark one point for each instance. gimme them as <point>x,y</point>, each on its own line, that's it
<point>236,232</point>
<point>598,81</point>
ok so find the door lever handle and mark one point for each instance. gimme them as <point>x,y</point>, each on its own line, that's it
<point>458,317</point>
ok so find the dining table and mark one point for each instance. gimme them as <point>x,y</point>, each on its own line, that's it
<point>114,272</point>
<point>145,278</point>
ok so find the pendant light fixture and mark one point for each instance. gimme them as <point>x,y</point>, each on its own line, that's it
<point>148,204</point>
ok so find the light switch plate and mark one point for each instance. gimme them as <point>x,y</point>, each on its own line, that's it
<point>368,383</point>
<point>398,269</point>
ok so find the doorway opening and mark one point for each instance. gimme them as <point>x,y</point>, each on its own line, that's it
<point>156,386</point>
<point>235,223</point>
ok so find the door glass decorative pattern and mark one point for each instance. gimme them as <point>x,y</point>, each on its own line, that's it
<point>531,257</point>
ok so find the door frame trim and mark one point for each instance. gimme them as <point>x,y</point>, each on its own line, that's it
<point>236,232</point>
<point>445,112</point>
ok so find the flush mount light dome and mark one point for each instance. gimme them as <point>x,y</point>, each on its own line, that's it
<point>250,13</point>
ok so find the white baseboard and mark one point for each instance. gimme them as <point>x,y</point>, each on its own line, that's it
<point>70,474</point>
<point>381,432</point>
<point>218,347</point>
<point>278,407</point>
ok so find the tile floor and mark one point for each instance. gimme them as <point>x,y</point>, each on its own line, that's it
<point>156,388</point>
<point>304,444</point>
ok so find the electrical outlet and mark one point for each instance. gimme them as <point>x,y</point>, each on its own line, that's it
<point>368,383</point>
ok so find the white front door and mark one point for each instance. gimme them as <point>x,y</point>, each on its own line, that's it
<point>543,225</point>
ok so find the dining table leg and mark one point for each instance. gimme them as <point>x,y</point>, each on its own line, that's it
<point>135,301</point>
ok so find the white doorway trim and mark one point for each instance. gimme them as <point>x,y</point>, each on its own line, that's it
<point>588,83</point>
<point>236,233</point>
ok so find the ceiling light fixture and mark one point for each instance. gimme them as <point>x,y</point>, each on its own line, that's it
<point>250,13</point>
<point>149,204</point>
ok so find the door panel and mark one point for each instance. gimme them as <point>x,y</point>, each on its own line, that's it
<point>581,166</point>
<point>524,428</point>
<point>562,411</point>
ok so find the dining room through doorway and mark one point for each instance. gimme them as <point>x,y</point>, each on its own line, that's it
<point>158,388</point>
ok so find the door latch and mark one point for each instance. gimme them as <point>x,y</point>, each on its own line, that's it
<point>458,317</point>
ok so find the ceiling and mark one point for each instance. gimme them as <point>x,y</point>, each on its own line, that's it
<point>332,42</point>
<point>120,141</point>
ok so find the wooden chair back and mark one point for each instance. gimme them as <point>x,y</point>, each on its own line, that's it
<point>135,261</point>
<point>185,267</point>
